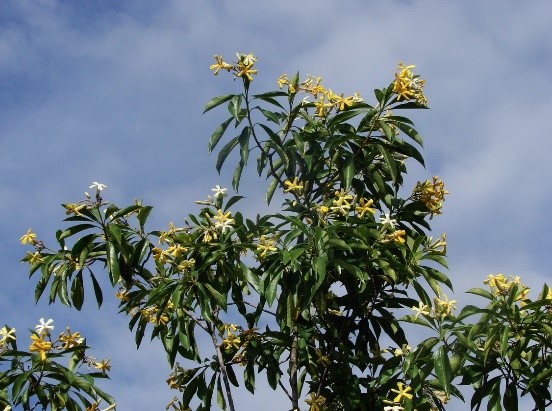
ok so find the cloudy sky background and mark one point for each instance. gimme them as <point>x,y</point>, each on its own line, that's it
<point>113,92</point>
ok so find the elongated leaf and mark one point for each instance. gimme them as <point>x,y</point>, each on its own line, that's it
<point>218,297</point>
<point>410,132</point>
<point>348,171</point>
<point>225,151</point>
<point>143,215</point>
<point>270,291</point>
<point>234,106</point>
<point>217,101</point>
<point>442,369</point>
<point>390,161</point>
<point>77,291</point>
<point>217,135</point>
<point>113,264</point>
<point>73,230</point>
<point>236,177</point>
<point>97,290</point>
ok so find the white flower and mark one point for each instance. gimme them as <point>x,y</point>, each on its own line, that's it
<point>6,335</point>
<point>44,327</point>
<point>421,309</point>
<point>405,349</point>
<point>393,408</point>
<point>224,225</point>
<point>386,220</point>
<point>98,186</point>
<point>219,191</point>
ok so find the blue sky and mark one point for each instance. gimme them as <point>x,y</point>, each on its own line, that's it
<point>113,92</point>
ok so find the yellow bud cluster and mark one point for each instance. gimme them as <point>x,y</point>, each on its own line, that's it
<point>431,193</point>
<point>242,67</point>
<point>408,86</point>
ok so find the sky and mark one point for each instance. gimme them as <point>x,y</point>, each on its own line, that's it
<point>114,91</point>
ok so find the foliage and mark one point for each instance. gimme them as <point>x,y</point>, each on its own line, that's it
<point>40,380</point>
<point>310,296</point>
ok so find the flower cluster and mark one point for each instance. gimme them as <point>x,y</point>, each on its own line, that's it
<point>501,286</point>
<point>153,315</point>
<point>293,186</point>
<point>315,402</point>
<point>409,86</point>
<point>431,194</point>
<point>324,99</point>
<point>443,307</point>
<point>267,244</point>
<point>231,340</point>
<point>42,342</point>
<point>242,67</point>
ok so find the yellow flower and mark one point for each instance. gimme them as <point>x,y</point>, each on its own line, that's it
<point>431,193</point>
<point>396,236</point>
<point>186,265</point>
<point>40,346</point>
<point>74,208</point>
<point>103,365</point>
<point>408,86</point>
<point>93,407</point>
<point>70,340</point>
<point>315,402</point>
<point>160,256</point>
<point>230,341</point>
<point>220,64</point>
<point>28,237</point>
<point>34,258</point>
<point>443,307</point>
<point>266,245</point>
<point>282,81</point>
<point>323,360</point>
<point>293,185</point>
<point>402,391</point>
<point>322,107</point>
<point>364,208</point>
<point>122,294</point>
<point>339,101</point>
<point>245,66</point>
<point>223,220</point>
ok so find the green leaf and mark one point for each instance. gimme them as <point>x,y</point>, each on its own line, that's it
<point>225,152</point>
<point>113,264</point>
<point>143,215</point>
<point>390,161</point>
<point>271,189</point>
<point>480,292</point>
<point>97,290</point>
<point>510,400</point>
<point>270,291</point>
<point>410,132</point>
<point>442,369</point>
<point>77,291</point>
<point>244,144</point>
<point>73,230</point>
<point>127,211</point>
<point>220,395</point>
<point>234,107</point>
<point>217,101</point>
<point>348,170</point>
<point>236,177</point>
<point>217,135</point>
<point>218,297</point>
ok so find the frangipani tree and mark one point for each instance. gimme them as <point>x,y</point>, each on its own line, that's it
<point>311,297</point>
